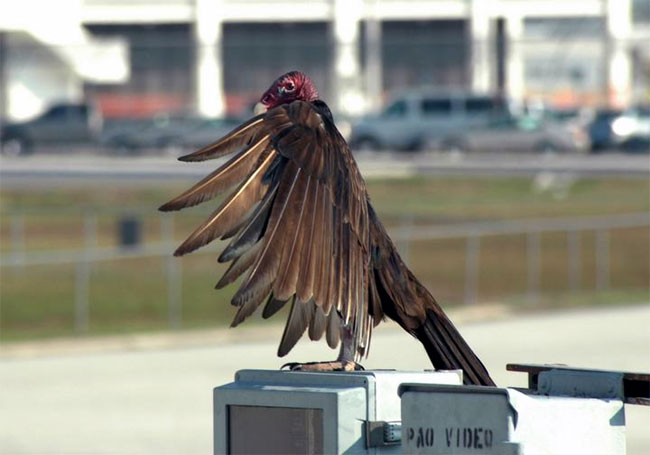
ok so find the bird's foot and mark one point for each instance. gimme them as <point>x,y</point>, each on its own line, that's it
<point>337,365</point>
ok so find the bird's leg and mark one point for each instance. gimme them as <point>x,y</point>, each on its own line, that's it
<point>344,362</point>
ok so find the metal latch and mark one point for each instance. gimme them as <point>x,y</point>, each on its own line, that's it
<point>381,433</point>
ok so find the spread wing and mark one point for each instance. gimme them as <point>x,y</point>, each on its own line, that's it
<point>297,217</point>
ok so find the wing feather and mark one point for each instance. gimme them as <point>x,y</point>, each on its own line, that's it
<point>231,211</point>
<point>273,306</point>
<point>231,173</point>
<point>239,266</point>
<point>249,304</point>
<point>333,331</point>
<point>251,232</point>
<point>321,250</point>
<point>299,317</point>
<point>229,143</point>
<point>265,268</point>
<point>285,284</point>
<point>318,322</point>
<point>305,285</point>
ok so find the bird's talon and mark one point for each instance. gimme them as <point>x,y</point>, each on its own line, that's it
<point>323,366</point>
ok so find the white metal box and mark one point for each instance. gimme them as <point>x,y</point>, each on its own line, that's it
<point>489,420</point>
<point>286,412</point>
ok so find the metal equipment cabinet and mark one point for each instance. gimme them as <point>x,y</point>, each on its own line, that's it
<point>286,412</point>
<point>564,411</point>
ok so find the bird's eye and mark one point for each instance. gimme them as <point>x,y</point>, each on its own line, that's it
<point>289,87</point>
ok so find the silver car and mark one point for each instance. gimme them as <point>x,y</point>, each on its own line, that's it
<point>420,119</point>
<point>519,134</point>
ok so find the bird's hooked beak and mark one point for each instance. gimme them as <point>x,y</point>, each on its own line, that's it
<point>259,108</point>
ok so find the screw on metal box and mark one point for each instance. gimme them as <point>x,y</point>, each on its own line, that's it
<point>379,433</point>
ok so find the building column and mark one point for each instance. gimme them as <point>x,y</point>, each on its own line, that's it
<point>209,63</point>
<point>3,79</point>
<point>374,66</point>
<point>515,87</point>
<point>619,59</point>
<point>479,36</point>
<point>347,78</point>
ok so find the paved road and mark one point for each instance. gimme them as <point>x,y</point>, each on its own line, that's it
<point>46,169</point>
<point>158,401</point>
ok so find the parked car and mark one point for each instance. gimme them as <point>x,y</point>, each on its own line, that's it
<point>563,115</point>
<point>600,128</point>
<point>135,136</point>
<point>631,129</point>
<point>518,134</point>
<point>69,124</point>
<point>171,134</point>
<point>418,120</point>
<point>625,129</point>
<point>208,131</point>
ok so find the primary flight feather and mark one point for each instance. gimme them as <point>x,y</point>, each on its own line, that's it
<point>303,232</point>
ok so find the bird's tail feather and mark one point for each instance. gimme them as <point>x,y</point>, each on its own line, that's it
<point>449,351</point>
<point>404,299</point>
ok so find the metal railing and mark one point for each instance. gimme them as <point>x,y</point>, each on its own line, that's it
<point>473,233</point>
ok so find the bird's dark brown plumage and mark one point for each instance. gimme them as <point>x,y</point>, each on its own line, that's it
<point>304,233</point>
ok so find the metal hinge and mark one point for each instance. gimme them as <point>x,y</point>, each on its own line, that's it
<point>381,433</point>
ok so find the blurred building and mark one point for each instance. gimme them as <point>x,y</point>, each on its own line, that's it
<point>138,57</point>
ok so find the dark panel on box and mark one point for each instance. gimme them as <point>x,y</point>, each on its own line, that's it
<point>274,430</point>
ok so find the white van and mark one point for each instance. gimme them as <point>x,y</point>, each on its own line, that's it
<point>418,120</point>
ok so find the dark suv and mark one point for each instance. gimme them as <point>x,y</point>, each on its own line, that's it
<point>61,124</point>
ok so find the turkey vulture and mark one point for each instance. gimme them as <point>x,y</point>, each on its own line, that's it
<point>302,230</point>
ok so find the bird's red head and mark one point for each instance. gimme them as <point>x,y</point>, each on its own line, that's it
<point>289,87</point>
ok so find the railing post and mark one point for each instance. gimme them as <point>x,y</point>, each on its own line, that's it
<point>82,275</point>
<point>472,257</point>
<point>533,254</point>
<point>575,259</point>
<point>174,274</point>
<point>602,259</point>
<point>18,239</point>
